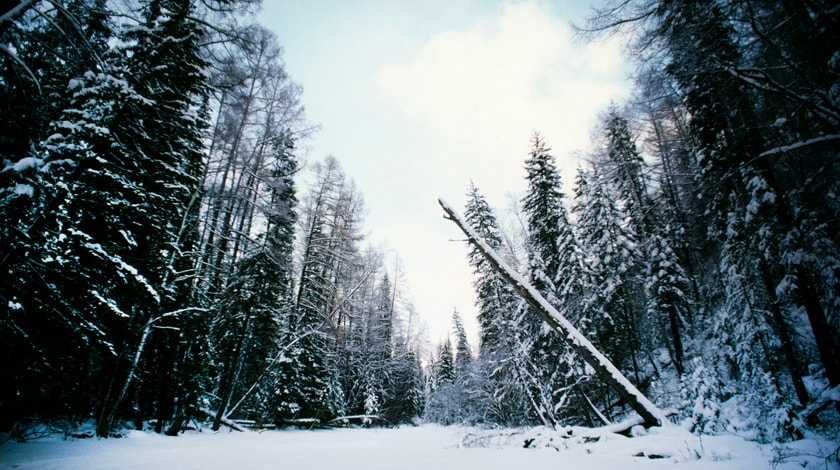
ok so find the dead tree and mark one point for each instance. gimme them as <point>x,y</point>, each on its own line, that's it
<point>604,369</point>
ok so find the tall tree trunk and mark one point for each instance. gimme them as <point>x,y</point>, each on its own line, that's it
<point>112,403</point>
<point>228,379</point>
<point>823,332</point>
<point>784,336</point>
<point>674,324</point>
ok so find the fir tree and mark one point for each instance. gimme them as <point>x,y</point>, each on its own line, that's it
<point>613,261</point>
<point>501,356</point>
<point>547,226</point>
<point>463,356</point>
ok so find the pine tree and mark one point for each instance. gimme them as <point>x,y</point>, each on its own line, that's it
<point>50,344</point>
<point>444,368</point>
<point>748,113</point>
<point>404,389</point>
<point>543,207</point>
<point>166,69</point>
<point>445,404</point>
<point>668,297</point>
<point>495,299</point>
<point>667,286</point>
<point>463,356</point>
<point>623,165</point>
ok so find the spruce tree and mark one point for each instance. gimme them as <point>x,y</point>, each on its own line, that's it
<point>164,134</point>
<point>613,262</point>
<point>547,225</point>
<point>463,356</point>
<point>47,343</point>
<point>501,355</point>
<point>404,390</point>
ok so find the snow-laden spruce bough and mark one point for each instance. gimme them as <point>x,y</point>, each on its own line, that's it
<point>604,369</point>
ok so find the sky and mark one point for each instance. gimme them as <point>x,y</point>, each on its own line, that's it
<point>418,98</point>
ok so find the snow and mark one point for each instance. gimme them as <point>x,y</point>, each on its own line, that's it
<point>24,164</point>
<point>110,303</point>
<point>24,190</point>
<point>422,447</point>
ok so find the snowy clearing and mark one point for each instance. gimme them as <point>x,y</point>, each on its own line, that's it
<point>423,447</point>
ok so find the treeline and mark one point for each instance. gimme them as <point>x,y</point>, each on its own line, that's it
<point>148,220</point>
<point>698,246</point>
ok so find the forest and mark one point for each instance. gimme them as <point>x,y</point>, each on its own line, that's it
<point>168,260</point>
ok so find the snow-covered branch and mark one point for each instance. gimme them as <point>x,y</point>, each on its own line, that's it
<point>800,144</point>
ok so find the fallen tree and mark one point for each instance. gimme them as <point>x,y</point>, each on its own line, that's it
<point>223,421</point>
<point>604,369</point>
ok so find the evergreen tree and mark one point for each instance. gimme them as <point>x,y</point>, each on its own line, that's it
<point>50,343</point>
<point>501,356</point>
<point>613,261</point>
<point>543,207</point>
<point>739,176</point>
<point>444,366</point>
<point>404,390</point>
<point>495,299</point>
<point>165,66</point>
<point>668,298</point>
<point>667,287</point>
<point>623,165</point>
<point>445,404</point>
<point>547,226</point>
<point>116,221</point>
<point>463,356</point>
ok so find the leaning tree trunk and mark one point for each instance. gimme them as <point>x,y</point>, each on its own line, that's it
<point>111,405</point>
<point>604,369</point>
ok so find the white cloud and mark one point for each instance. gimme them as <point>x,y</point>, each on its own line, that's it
<point>487,89</point>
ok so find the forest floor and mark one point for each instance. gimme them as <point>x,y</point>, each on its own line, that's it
<point>421,447</point>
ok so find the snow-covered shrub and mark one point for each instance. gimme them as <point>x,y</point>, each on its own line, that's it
<point>701,395</point>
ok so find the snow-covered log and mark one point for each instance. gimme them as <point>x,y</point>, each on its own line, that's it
<point>363,419</point>
<point>830,394</point>
<point>604,369</point>
<point>224,421</point>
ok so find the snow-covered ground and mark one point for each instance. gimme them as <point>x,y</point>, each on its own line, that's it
<point>423,447</point>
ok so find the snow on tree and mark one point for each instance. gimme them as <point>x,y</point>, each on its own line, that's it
<point>755,127</point>
<point>463,356</point>
<point>138,296</point>
<point>613,262</point>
